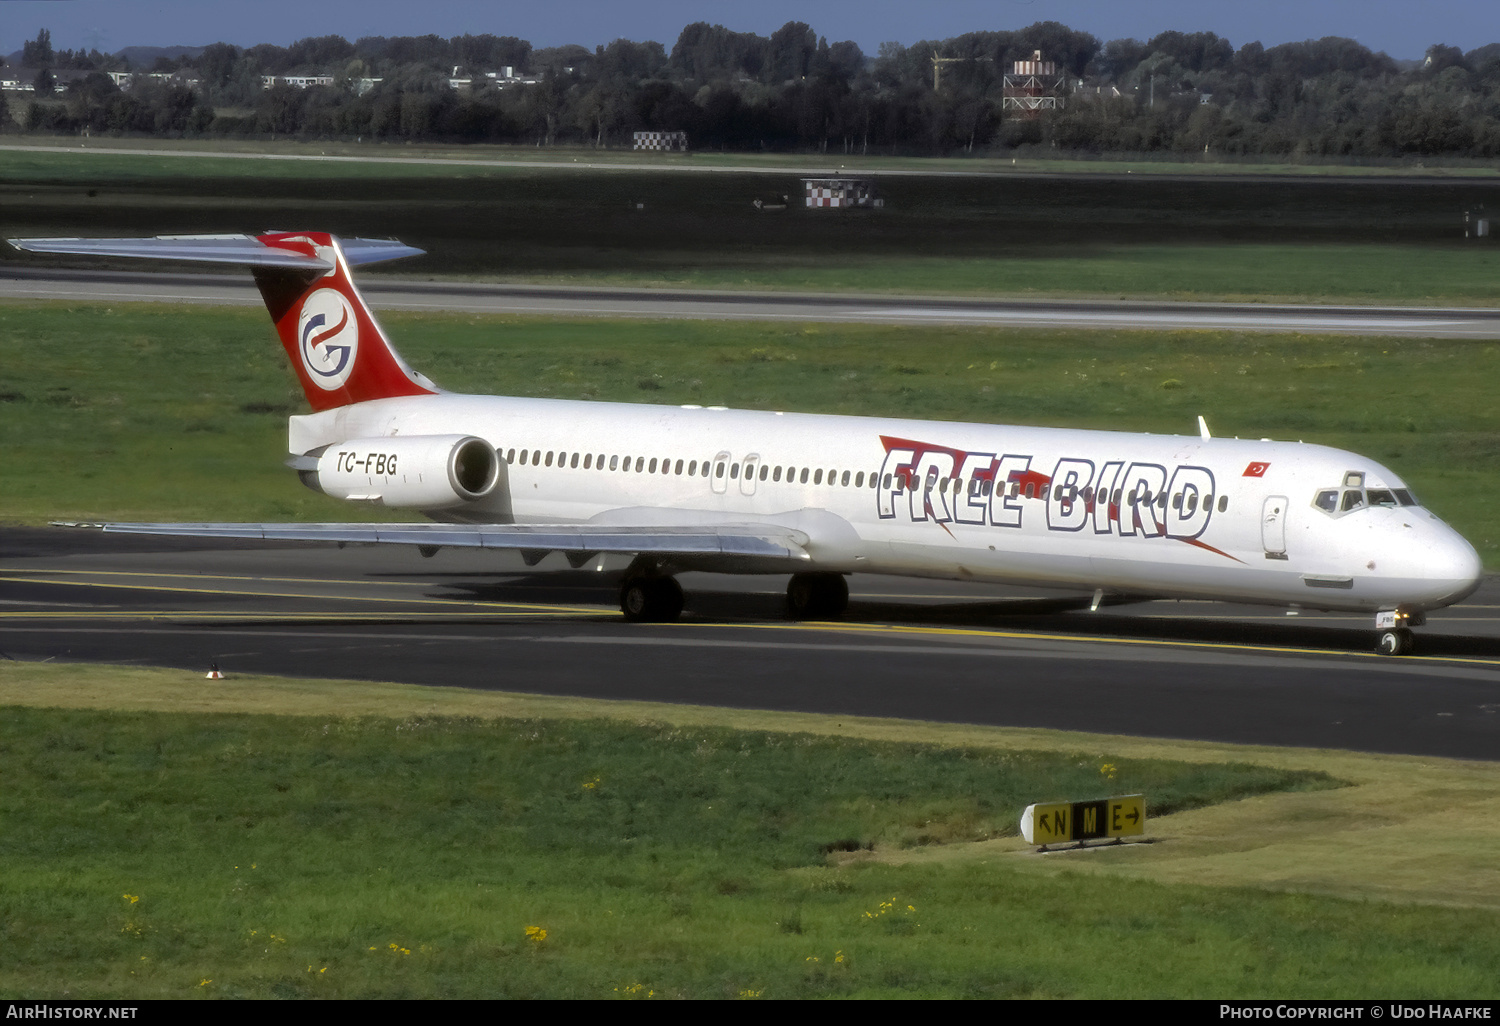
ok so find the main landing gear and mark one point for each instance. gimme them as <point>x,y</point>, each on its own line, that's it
<point>649,596</point>
<point>816,596</point>
<point>648,599</point>
<point>1395,637</point>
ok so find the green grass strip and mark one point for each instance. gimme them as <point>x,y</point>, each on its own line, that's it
<point>410,842</point>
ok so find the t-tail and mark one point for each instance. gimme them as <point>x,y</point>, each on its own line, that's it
<point>337,348</point>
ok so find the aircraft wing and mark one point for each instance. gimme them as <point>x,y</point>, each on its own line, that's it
<point>220,249</point>
<point>707,543</point>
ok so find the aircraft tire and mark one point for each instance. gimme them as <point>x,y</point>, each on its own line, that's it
<point>650,599</point>
<point>816,596</point>
<point>1397,642</point>
<point>668,598</point>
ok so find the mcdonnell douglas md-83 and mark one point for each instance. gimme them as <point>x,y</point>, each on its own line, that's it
<point>814,496</point>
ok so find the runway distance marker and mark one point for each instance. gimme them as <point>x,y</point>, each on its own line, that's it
<point>1064,822</point>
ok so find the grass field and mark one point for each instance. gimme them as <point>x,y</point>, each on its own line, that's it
<point>275,838</point>
<point>1364,240</point>
<point>154,412</point>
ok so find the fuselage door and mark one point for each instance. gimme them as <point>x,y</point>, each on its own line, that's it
<point>1273,527</point>
<point>748,470</point>
<point>718,478</point>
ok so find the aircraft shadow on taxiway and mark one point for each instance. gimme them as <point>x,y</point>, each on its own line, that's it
<point>1051,615</point>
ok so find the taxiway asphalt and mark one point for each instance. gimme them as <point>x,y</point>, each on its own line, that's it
<point>586,301</point>
<point>909,649</point>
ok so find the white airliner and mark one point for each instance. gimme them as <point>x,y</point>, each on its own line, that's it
<point>815,496</point>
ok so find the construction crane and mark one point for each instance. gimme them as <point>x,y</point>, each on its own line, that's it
<point>938,62</point>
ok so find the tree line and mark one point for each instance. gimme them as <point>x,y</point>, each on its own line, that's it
<point>1177,93</point>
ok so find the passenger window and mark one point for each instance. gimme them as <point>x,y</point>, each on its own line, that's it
<point>693,469</point>
<point>1223,503</point>
<point>887,480</point>
<point>1161,500</point>
<point>573,463</point>
<point>718,470</point>
<point>640,462</point>
<point>678,469</point>
<point>1353,499</point>
<point>1208,503</point>
<point>549,457</point>
<point>614,463</point>
<point>588,461</point>
<point>776,473</point>
<point>734,470</point>
<point>1192,503</point>
<point>803,478</point>
<point>818,476</point>
<point>600,461</point>
<point>1046,490</point>
<point>511,456</point>
<point>1328,501</point>
<point>524,454</point>
<point>764,470</point>
<point>652,467</point>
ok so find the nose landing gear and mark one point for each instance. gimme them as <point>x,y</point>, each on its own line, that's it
<point>1395,637</point>
<point>1397,642</point>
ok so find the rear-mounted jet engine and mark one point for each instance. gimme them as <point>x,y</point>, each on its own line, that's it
<point>410,472</point>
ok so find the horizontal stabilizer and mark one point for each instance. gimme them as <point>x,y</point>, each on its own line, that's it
<point>244,250</point>
<point>763,541</point>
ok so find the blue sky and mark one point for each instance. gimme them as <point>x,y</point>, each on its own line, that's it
<point>1401,28</point>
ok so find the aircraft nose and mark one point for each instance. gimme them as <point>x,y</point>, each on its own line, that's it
<point>1452,567</point>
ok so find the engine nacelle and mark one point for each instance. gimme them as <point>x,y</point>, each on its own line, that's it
<point>404,472</point>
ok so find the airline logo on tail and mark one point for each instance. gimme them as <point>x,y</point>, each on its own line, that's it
<point>329,334</point>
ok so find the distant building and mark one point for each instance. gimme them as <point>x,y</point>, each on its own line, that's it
<point>841,192</point>
<point>296,81</point>
<point>125,80</point>
<point>673,142</point>
<point>1031,87</point>
<point>507,76</point>
<point>23,80</point>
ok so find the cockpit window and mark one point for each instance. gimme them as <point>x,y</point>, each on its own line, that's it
<point>1335,502</point>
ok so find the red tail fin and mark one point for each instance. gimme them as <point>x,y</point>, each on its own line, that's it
<point>339,352</point>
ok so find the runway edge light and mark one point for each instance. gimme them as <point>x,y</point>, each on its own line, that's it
<point>1104,819</point>
<point>213,672</point>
